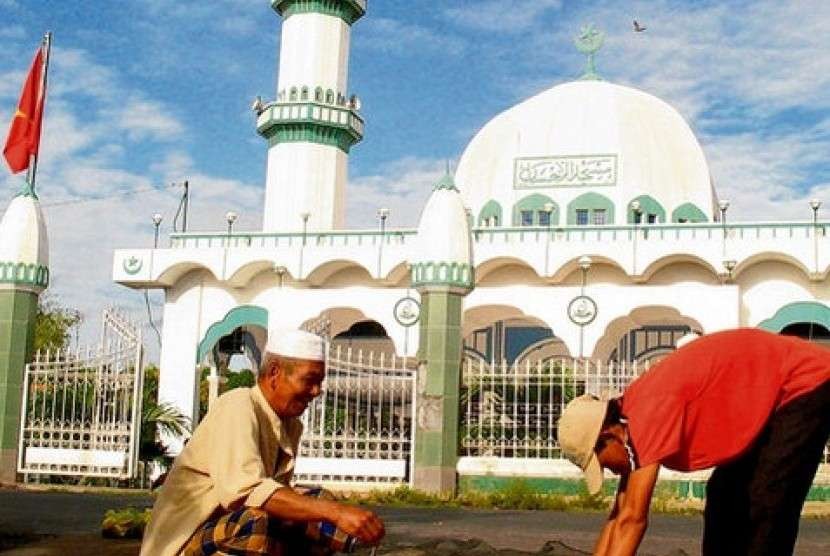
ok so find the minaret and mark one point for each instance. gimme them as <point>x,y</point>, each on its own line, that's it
<point>442,272</point>
<point>313,124</point>
<point>24,274</point>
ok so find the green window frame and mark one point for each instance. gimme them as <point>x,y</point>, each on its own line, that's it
<point>490,214</point>
<point>535,204</point>
<point>651,211</point>
<point>590,203</point>
<point>688,212</point>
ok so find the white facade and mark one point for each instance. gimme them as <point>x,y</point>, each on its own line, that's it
<point>614,144</point>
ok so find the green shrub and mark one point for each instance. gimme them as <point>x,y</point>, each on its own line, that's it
<point>127,523</point>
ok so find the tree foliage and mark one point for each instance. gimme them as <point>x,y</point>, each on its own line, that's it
<point>158,418</point>
<point>54,324</point>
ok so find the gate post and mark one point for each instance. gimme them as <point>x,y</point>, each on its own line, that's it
<point>24,274</point>
<point>442,273</point>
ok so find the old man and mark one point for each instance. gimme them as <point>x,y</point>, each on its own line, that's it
<point>229,491</point>
<point>751,404</point>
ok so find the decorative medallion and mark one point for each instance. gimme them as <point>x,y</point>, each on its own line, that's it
<point>582,310</point>
<point>407,311</point>
<point>132,265</point>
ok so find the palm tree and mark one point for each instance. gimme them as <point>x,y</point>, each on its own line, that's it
<point>158,418</point>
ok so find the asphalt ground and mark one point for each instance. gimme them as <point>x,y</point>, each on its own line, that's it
<point>74,519</point>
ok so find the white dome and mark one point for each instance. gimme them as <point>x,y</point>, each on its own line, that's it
<point>23,233</point>
<point>586,136</point>
<point>443,253</point>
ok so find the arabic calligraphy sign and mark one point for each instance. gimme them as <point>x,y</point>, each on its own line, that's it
<point>565,171</point>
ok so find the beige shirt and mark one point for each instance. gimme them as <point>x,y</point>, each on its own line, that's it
<point>238,456</point>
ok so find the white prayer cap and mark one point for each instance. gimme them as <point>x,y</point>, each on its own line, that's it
<point>297,344</point>
<point>683,340</point>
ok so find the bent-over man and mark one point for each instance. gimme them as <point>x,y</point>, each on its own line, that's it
<point>229,491</point>
<point>752,404</point>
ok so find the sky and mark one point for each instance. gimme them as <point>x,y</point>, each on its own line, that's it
<point>145,94</point>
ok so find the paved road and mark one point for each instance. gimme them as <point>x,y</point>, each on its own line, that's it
<point>62,513</point>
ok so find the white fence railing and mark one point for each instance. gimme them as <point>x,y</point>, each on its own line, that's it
<point>361,428</point>
<point>81,410</point>
<point>510,411</point>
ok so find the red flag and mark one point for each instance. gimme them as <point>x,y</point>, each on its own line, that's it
<point>24,133</point>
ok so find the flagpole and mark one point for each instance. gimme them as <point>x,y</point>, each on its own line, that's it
<point>47,46</point>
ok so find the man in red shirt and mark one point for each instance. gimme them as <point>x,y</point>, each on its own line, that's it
<point>752,404</point>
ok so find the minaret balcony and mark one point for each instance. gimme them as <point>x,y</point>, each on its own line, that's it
<point>310,122</point>
<point>347,10</point>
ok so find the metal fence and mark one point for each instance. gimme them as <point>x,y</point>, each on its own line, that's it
<point>510,411</point>
<point>81,409</point>
<point>361,428</point>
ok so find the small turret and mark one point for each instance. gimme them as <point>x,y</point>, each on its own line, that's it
<point>443,257</point>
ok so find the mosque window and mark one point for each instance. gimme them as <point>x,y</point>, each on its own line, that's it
<point>304,94</point>
<point>581,217</point>
<point>330,96</point>
<point>318,94</point>
<point>495,220</point>
<point>544,218</point>
<point>652,218</point>
<point>527,217</point>
<point>293,95</point>
<point>599,217</point>
<point>638,218</point>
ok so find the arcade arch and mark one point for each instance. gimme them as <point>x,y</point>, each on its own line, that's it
<point>646,334</point>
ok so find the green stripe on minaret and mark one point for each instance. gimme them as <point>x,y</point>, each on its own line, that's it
<point>347,10</point>
<point>18,310</point>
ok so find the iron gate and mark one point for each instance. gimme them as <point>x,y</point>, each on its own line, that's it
<point>81,410</point>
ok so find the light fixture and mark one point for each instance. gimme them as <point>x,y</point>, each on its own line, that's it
<point>157,218</point>
<point>304,216</point>
<point>585,262</point>
<point>230,218</point>
<point>729,265</point>
<point>548,207</point>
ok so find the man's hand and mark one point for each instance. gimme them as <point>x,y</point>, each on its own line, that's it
<point>360,523</point>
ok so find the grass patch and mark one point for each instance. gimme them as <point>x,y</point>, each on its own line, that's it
<point>127,523</point>
<point>519,495</point>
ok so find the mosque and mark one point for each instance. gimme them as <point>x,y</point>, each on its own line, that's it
<point>582,223</point>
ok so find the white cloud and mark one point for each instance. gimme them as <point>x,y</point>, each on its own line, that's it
<point>390,35</point>
<point>498,16</point>
<point>403,186</point>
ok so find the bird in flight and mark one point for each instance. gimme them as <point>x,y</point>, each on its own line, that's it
<point>638,28</point>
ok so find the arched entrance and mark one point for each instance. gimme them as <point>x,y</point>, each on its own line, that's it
<point>230,353</point>
<point>805,319</point>
<point>645,335</point>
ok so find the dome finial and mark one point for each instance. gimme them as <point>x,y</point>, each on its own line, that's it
<point>589,41</point>
<point>27,190</point>
<point>446,182</point>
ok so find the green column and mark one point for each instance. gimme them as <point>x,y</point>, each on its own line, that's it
<point>439,354</point>
<point>18,309</point>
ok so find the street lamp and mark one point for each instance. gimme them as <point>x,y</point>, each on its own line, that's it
<point>305,216</point>
<point>230,218</point>
<point>815,204</point>
<point>157,218</point>
<point>729,265</point>
<point>723,205</point>
<point>635,208</point>
<point>548,208</point>
<point>383,214</point>
<point>584,265</point>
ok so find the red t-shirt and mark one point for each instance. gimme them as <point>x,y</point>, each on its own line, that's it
<point>705,403</point>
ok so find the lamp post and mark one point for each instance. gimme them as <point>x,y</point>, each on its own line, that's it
<point>635,208</point>
<point>815,204</point>
<point>548,208</point>
<point>157,218</point>
<point>729,265</point>
<point>723,206</point>
<point>584,265</point>
<point>305,216</point>
<point>383,214</point>
<point>230,218</point>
